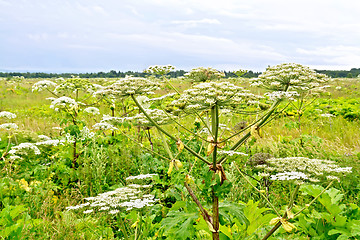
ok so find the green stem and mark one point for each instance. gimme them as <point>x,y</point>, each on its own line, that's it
<point>215,209</point>
<point>122,226</point>
<point>261,122</point>
<point>166,133</point>
<point>285,216</point>
<point>261,194</point>
<point>308,205</point>
<point>166,145</point>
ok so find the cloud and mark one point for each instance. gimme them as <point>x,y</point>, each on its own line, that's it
<point>339,56</point>
<point>194,23</point>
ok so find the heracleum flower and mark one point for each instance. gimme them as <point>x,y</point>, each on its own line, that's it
<point>23,148</point>
<point>8,115</point>
<point>9,126</point>
<point>92,110</point>
<point>104,126</point>
<point>44,137</point>
<point>54,142</point>
<point>160,69</point>
<point>205,95</point>
<point>202,74</point>
<point>313,169</point>
<point>126,198</point>
<point>159,116</point>
<point>73,85</point>
<point>294,77</point>
<point>63,102</point>
<point>44,84</point>
<point>142,176</point>
<point>129,86</point>
<point>232,153</point>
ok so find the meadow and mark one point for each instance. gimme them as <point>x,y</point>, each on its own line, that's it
<point>200,157</point>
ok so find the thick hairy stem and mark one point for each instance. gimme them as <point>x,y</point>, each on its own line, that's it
<point>204,213</point>
<point>215,208</point>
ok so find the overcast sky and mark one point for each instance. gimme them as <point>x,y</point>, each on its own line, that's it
<point>103,35</point>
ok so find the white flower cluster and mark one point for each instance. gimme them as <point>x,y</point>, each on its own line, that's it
<point>282,94</point>
<point>50,142</point>
<point>160,70</point>
<point>63,103</point>
<point>8,115</point>
<point>205,95</point>
<point>44,137</point>
<point>327,115</point>
<point>231,153</point>
<point>202,74</point>
<point>127,198</point>
<point>103,126</point>
<point>129,86</point>
<point>92,110</point>
<point>289,176</point>
<point>159,116</point>
<point>74,85</point>
<point>85,134</point>
<point>23,148</point>
<point>8,126</point>
<point>294,76</point>
<point>302,168</point>
<point>44,84</point>
<point>142,176</point>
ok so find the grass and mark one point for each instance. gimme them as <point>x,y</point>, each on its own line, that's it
<point>105,163</point>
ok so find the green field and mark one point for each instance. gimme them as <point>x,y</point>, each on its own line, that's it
<point>63,152</point>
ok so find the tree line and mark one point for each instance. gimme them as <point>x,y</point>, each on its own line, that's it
<point>354,72</point>
<point>110,74</point>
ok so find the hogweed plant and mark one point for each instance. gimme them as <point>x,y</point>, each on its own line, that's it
<point>70,97</point>
<point>214,104</point>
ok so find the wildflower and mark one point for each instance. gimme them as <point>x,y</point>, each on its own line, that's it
<point>142,176</point>
<point>9,126</point>
<point>44,137</point>
<point>303,168</point>
<point>44,84</point>
<point>160,70</point>
<point>231,153</point>
<point>129,86</point>
<point>104,126</point>
<point>50,142</point>
<point>8,115</point>
<point>205,95</point>
<point>295,77</point>
<point>63,102</point>
<point>92,110</point>
<point>327,115</point>
<point>202,74</point>
<point>23,147</point>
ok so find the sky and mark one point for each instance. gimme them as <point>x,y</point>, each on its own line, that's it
<point>130,35</point>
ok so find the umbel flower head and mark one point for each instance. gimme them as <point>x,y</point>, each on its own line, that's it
<point>123,198</point>
<point>303,168</point>
<point>202,74</point>
<point>8,115</point>
<point>160,70</point>
<point>159,116</point>
<point>129,86</point>
<point>205,95</point>
<point>44,84</point>
<point>294,77</point>
<point>75,84</point>
<point>63,103</point>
